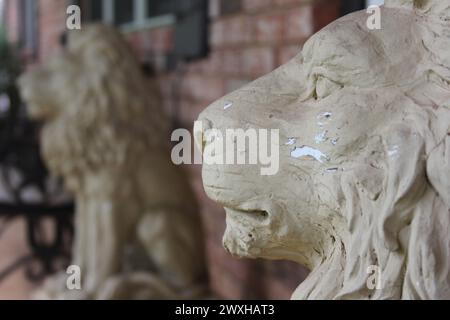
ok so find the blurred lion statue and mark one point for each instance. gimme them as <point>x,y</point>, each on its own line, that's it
<point>137,231</point>
<point>362,195</point>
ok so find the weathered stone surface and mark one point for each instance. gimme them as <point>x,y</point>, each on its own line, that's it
<point>380,102</point>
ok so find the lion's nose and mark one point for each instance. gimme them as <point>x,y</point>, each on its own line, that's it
<point>22,81</point>
<point>200,126</point>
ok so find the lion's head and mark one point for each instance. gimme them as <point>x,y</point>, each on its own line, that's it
<point>364,179</point>
<point>94,100</point>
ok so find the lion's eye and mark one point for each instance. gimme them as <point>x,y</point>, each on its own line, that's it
<point>325,87</point>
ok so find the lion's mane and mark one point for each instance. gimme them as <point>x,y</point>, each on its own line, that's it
<point>111,104</point>
<point>404,227</point>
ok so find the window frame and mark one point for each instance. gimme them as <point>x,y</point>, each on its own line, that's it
<point>349,6</point>
<point>368,3</point>
<point>28,27</point>
<point>140,19</point>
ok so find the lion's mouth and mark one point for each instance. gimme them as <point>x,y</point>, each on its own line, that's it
<point>257,215</point>
<point>259,233</point>
<point>247,232</point>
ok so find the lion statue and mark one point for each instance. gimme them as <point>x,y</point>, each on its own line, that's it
<point>362,196</point>
<point>137,231</point>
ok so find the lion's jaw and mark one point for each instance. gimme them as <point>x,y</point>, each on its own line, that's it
<point>40,106</point>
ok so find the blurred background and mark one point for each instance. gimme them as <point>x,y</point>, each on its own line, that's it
<point>198,50</point>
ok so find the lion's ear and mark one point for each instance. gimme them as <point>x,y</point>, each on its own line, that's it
<point>405,180</point>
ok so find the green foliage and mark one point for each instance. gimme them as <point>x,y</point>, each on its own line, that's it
<point>2,37</point>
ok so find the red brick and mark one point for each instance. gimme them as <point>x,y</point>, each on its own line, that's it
<point>213,64</point>
<point>231,31</point>
<point>196,66</point>
<point>11,16</point>
<point>167,105</point>
<point>214,216</point>
<point>258,61</point>
<point>224,284</point>
<point>165,85</point>
<point>286,53</point>
<point>13,246</point>
<point>235,84</point>
<point>240,268</point>
<point>234,278</point>
<point>134,40</point>
<point>202,88</point>
<point>299,23</point>
<point>254,5</point>
<point>189,112</point>
<point>290,273</point>
<point>290,2</point>
<point>161,39</point>
<point>52,23</point>
<point>325,11</point>
<point>217,33</point>
<point>238,30</point>
<point>269,28</point>
<point>232,62</point>
<point>184,113</point>
<point>276,290</point>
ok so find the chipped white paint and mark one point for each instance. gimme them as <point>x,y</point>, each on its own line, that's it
<point>321,137</point>
<point>307,151</point>
<point>291,142</point>
<point>227,105</point>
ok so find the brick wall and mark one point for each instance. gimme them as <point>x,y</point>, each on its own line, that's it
<point>249,39</point>
<point>11,15</point>
<point>52,23</point>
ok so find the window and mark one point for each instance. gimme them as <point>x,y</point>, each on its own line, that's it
<point>158,8</point>
<point>2,5</point>
<point>375,2</point>
<point>188,17</point>
<point>96,9</point>
<point>123,12</point>
<point>29,27</point>
<point>230,7</point>
<point>130,15</point>
<point>355,5</point>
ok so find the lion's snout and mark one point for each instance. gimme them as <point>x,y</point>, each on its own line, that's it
<point>34,88</point>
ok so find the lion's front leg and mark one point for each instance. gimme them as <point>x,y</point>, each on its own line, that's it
<point>173,243</point>
<point>100,241</point>
<point>97,250</point>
